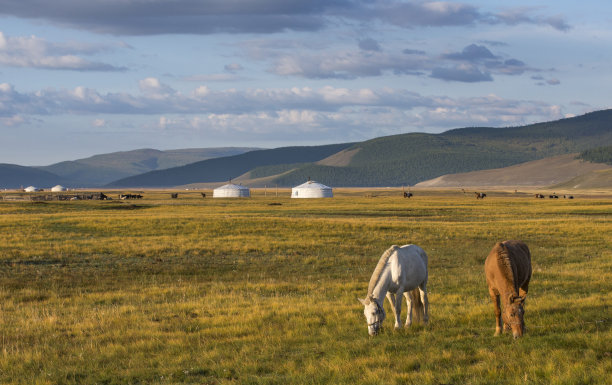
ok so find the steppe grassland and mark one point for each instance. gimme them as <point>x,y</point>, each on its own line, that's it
<point>221,291</point>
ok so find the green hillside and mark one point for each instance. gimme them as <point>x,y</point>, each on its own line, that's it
<point>598,155</point>
<point>222,169</point>
<point>411,158</point>
<point>13,176</point>
<point>397,160</point>
<point>101,169</point>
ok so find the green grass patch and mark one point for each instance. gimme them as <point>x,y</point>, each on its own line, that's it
<point>196,290</point>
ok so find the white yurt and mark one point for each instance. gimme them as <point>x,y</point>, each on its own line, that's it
<point>311,189</point>
<point>231,190</point>
<point>31,189</point>
<point>58,188</point>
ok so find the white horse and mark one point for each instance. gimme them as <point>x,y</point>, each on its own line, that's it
<point>401,271</point>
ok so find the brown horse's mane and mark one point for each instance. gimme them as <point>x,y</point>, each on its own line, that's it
<point>505,264</point>
<point>382,262</point>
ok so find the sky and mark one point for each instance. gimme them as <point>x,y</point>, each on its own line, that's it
<point>79,78</point>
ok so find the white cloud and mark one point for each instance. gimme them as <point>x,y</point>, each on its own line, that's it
<point>12,121</point>
<point>273,110</point>
<point>233,67</point>
<point>34,52</point>
<point>99,123</point>
<point>153,88</point>
<point>475,63</point>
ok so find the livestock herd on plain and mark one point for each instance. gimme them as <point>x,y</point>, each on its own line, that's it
<point>401,272</point>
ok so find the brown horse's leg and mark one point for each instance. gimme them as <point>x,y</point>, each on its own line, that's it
<point>498,320</point>
<point>523,293</point>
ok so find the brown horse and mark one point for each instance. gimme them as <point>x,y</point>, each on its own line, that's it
<point>508,271</point>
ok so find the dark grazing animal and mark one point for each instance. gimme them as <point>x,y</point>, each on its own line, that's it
<point>480,195</point>
<point>130,196</point>
<point>508,271</point>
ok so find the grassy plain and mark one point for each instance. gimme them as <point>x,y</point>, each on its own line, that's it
<point>263,290</point>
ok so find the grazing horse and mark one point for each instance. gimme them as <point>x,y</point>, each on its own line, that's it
<point>400,272</point>
<point>508,271</point>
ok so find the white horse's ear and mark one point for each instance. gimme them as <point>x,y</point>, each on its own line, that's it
<point>363,301</point>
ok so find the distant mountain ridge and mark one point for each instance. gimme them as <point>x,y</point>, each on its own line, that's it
<point>407,159</point>
<point>223,169</point>
<point>397,160</point>
<point>13,176</point>
<point>404,159</point>
<point>99,170</point>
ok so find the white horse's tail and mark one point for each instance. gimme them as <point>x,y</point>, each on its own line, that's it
<point>418,309</point>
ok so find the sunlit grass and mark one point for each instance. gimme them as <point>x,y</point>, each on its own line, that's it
<point>195,290</point>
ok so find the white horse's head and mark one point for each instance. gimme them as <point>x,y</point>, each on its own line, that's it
<point>374,313</point>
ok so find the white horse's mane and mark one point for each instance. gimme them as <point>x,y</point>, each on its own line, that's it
<point>382,262</point>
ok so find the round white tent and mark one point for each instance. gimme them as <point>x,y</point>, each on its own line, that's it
<point>311,189</point>
<point>231,191</point>
<point>58,188</point>
<point>31,189</point>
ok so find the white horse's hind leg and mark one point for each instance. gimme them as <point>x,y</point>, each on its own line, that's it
<point>409,306</point>
<point>417,307</point>
<point>425,301</point>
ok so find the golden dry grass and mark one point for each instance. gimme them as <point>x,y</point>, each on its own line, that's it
<point>195,290</point>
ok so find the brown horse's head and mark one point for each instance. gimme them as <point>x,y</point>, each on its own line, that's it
<point>513,315</point>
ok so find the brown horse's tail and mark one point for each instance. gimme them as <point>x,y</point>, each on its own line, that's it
<point>418,309</point>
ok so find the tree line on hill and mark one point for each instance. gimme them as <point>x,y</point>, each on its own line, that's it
<point>598,155</point>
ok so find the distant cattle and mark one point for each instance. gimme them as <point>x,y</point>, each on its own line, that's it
<point>130,196</point>
<point>480,195</point>
<point>540,196</point>
<point>203,195</point>
<point>553,196</point>
<point>568,196</point>
<point>174,195</point>
<point>407,194</point>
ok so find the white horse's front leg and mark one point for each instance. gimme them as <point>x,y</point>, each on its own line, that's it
<point>393,301</point>
<point>398,309</point>
<point>409,305</point>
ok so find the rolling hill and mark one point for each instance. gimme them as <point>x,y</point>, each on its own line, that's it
<point>599,179</point>
<point>396,160</point>
<point>411,158</point>
<point>13,176</point>
<point>101,169</point>
<point>537,173</point>
<point>225,168</point>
